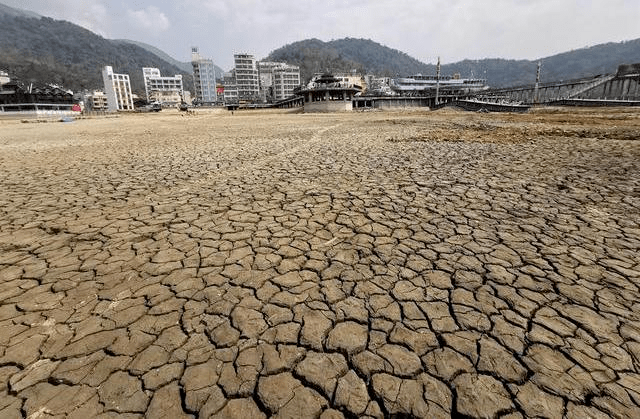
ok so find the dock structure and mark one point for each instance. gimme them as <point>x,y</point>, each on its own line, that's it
<point>612,89</point>
<point>619,89</point>
<point>328,94</point>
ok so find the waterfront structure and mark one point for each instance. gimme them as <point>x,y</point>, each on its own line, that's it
<point>351,80</point>
<point>620,88</point>
<point>328,94</point>
<point>246,76</point>
<point>420,85</point>
<point>117,87</point>
<point>277,80</point>
<point>378,86</point>
<point>16,96</point>
<point>165,90</point>
<point>204,78</point>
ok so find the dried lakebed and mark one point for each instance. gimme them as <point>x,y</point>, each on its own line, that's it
<point>418,264</point>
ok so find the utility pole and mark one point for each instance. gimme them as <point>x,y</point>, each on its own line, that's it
<point>437,81</point>
<point>535,91</point>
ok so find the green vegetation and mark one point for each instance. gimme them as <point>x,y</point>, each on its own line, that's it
<point>184,66</point>
<point>55,51</point>
<point>364,55</point>
<point>35,48</point>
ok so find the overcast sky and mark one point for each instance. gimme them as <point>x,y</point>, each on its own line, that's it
<point>424,29</point>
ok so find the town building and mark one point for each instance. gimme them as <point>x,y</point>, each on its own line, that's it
<point>247,78</point>
<point>16,96</point>
<point>204,78</point>
<point>328,94</point>
<point>97,101</point>
<point>277,80</point>
<point>4,78</point>
<point>165,90</point>
<point>351,80</point>
<point>377,86</point>
<point>230,88</point>
<point>117,87</point>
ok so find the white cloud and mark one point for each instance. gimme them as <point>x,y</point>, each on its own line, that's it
<point>94,17</point>
<point>425,29</point>
<point>150,19</point>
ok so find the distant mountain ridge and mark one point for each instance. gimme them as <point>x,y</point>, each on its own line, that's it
<point>367,56</point>
<point>10,11</point>
<point>36,48</point>
<point>184,66</point>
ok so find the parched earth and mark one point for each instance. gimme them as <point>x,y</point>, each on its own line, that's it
<point>265,264</point>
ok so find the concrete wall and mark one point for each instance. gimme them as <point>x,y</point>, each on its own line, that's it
<point>623,88</point>
<point>328,106</point>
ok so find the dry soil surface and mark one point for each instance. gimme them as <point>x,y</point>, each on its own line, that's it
<point>265,264</point>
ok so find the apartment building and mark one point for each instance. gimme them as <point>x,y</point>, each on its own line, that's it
<point>204,78</point>
<point>165,90</point>
<point>247,78</point>
<point>230,88</point>
<point>278,80</point>
<point>98,101</point>
<point>117,87</point>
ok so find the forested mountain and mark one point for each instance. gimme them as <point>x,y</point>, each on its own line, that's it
<point>10,11</point>
<point>184,66</point>
<point>367,56</point>
<point>34,48</point>
<point>363,55</point>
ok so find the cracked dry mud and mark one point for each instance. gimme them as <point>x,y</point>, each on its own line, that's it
<point>288,265</point>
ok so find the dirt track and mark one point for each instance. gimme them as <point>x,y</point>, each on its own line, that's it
<point>361,265</point>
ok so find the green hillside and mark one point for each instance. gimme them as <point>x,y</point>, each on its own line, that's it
<point>184,66</point>
<point>53,51</point>
<point>314,55</point>
<point>36,48</point>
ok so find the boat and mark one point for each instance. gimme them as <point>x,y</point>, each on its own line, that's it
<point>477,105</point>
<point>425,85</point>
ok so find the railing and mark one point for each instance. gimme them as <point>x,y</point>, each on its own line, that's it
<point>591,85</point>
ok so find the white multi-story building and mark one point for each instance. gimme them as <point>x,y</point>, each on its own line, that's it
<point>4,77</point>
<point>230,88</point>
<point>98,101</point>
<point>352,79</point>
<point>247,78</point>
<point>278,80</point>
<point>160,89</point>
<point>117,87</point>
<point>204,78</point>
